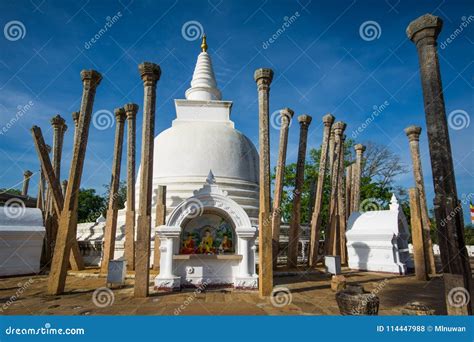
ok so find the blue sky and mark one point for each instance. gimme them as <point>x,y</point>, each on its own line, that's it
<point>321,62</point>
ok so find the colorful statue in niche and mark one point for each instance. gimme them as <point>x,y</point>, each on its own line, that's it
<point>207,234</point>
<point>207,243</point>
<point>188,245</point>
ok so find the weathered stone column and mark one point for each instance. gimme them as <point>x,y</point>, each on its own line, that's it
<point>286,115</point>
<point>328,119</point>
<point>160,220</point>
<point>26,182</point>
<point>150,74</point>
<point>59,128</point>
<point>263,78</point>
<point>64,186</point>
<point>359,148</point>
<point>75,118</point>
<point>341,204</point>
<point>331,241</point>
<point>294,233</point>
<point>41,198</point>
<point>423,32</point>
<point>68,218</point>
<point>331,150</point>
<point>417,235</point>
<point>131,110</point>
<point>112,211</point>
<point>413,133</point>
<point>348,190</point>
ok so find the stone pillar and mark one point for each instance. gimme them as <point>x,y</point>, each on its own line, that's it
<point>331,150</point>
<point>26,182</point>
<point>331,245</point>
<point>68,218</point>
<point>417,235</point>
<point>150,74</point>
<point>131,110</point>
<point>75,118</point>
<point>341,205</point>
<point>286,115</point>
<point>64,187</point>
<point>359,149</point>
<point>348,190</point>
<point>318,202</point>
<point>112,211</point>
<point>294,233</point>
<point>160,220</point>
<point>263,78</point>
<point>423,32</point>
<point>413,133</point>
<point>59,128</point>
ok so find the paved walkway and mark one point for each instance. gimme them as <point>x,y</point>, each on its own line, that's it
<point>308,294</point>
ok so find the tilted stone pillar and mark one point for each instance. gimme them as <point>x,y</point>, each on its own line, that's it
<point>26,182</point>
<point>419,257</point>
<point>150,74</point>
<point>131,110</point>
<point>41,198</point>
<point>413,133</point>
<point>112,211</point>
<point>294,233</point>
<point>449,221</point>
<point>318,202</point>
<point>75,118</point>
<point>286,115</point>
<point>160,220</point>
<point>68,218</point>
<point>263,78</point>
<point>331,241</point>
<point>359,149</point>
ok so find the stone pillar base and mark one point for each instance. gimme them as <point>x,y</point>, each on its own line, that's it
<point>168,283</point>
<point>246,283</point>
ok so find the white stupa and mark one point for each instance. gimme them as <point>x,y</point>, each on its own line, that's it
<point>200,139</point>
<point>203,138</point>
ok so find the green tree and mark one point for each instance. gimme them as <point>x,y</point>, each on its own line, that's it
<point>90,205</point>
<point>10,191</point>
<point>121,194</point>
<point>377,181</point>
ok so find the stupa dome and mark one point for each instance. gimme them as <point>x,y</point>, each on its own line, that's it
<point>203,138</point>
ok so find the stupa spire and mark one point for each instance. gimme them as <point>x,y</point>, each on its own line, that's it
<point>203,84</point>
